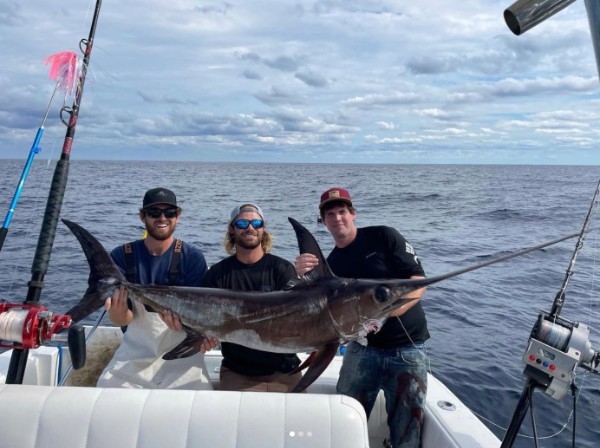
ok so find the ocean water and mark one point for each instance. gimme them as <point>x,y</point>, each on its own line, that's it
<point>453,215</point>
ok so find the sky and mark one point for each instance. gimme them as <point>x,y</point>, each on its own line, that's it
<point>332,81</point>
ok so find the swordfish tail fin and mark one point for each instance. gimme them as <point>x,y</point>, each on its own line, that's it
<point>104,273</point>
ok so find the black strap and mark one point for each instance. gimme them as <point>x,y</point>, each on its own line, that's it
<point>174,268</point>
<point>130,267</point>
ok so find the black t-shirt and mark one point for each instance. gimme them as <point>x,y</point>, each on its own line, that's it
<point>381,252</point>
<point>270,273</point>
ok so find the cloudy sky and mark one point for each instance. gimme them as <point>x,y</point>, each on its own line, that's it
<point>428,81</point>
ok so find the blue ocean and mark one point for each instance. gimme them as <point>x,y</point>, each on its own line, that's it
<point>454,216</point>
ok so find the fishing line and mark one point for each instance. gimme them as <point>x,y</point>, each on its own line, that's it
<point>11,325</point>
<point>525,436</point>
<point>423,352</point>
<point>555,335</point>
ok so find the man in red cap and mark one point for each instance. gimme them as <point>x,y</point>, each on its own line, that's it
<point>393,359</point>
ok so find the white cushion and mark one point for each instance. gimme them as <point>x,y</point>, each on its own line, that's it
<point>48,417</point>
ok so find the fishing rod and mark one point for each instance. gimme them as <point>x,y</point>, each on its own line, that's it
<point>18,360</point>
<point>63,68</point>
<point>560,296</point>
<point>35,149</point>
<point>556,348</point>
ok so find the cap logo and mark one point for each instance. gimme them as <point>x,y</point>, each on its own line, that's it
<point>161,193</point>
<point>334,194</point>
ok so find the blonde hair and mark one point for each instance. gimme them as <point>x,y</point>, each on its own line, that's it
<point>229,243</point>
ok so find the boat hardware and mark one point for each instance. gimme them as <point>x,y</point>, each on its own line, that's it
<point>523,15</point>
<point>556,348</point>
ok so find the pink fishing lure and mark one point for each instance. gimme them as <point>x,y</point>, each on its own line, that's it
<point>64,69</point>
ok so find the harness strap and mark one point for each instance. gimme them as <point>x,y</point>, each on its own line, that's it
<point>174,268</point>
<point>130,268</point>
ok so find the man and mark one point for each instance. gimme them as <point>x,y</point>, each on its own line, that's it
<point>394,359</point>
<point>251,268</point>
<point>158,259</point>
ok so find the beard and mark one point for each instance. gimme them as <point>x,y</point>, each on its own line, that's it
<point>246,244</point>
<point>160,234</point>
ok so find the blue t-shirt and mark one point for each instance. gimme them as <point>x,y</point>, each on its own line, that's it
<point>154,269</point>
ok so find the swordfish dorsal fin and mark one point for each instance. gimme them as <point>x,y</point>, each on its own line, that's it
<point>308,244</point>
<point>104,273</point>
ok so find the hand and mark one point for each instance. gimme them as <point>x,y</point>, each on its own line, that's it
<point>117,307</point>
<point>208,344</point>
<point>171,320</point>
<point>305,263</point>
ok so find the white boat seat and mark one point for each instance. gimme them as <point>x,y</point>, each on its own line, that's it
<point>77,417</point>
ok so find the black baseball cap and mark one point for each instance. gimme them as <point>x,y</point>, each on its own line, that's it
<point>159,195</point>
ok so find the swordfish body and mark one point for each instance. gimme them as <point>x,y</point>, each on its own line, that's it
<point>315,313</point>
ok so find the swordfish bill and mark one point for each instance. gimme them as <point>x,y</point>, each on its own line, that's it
<point>315,313</point>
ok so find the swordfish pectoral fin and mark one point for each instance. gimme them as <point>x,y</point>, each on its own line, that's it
<point>188,347</point>
<point>307,362</point>
<point>321,360</point>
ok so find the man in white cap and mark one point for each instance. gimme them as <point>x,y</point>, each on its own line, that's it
<point>158,259</point>
<point>250,267</point>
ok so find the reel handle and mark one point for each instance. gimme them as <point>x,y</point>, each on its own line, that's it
<point>77,348</point>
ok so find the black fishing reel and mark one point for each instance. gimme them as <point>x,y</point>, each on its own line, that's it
<point>556,348</point>
<point>25,327</point>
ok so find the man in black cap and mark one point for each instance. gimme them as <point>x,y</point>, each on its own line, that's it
<point>158,259</point>
<point>251,267</point>
<point>393,359</point>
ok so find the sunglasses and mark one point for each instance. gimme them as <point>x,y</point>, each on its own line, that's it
<point>244,223</point>
<point>156,212</point>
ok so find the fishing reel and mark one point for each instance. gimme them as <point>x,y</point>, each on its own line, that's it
<point>556,348</point>
<point>27,327</point>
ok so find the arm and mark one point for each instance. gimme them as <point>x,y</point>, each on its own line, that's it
<point>408,265</point>
<point>414,297</point>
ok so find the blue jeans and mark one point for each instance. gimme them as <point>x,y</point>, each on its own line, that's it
<point>402,374</point>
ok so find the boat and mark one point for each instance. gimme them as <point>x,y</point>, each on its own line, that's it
<point>333,420</point>
<point>50,407</point>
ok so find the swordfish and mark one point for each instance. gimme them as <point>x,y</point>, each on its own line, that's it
<point>315,313</point>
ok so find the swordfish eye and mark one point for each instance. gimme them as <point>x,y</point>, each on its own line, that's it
<point>382,293</point>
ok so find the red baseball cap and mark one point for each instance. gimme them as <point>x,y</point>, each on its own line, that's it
<point>335,194</point>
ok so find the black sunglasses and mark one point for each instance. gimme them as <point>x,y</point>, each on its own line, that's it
<point>244,223</point>
<point>155,212</point>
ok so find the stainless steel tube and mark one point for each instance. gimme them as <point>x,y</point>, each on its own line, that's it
<point>523,15</point>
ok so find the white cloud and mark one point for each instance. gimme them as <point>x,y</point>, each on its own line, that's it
<point>329,77</point>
